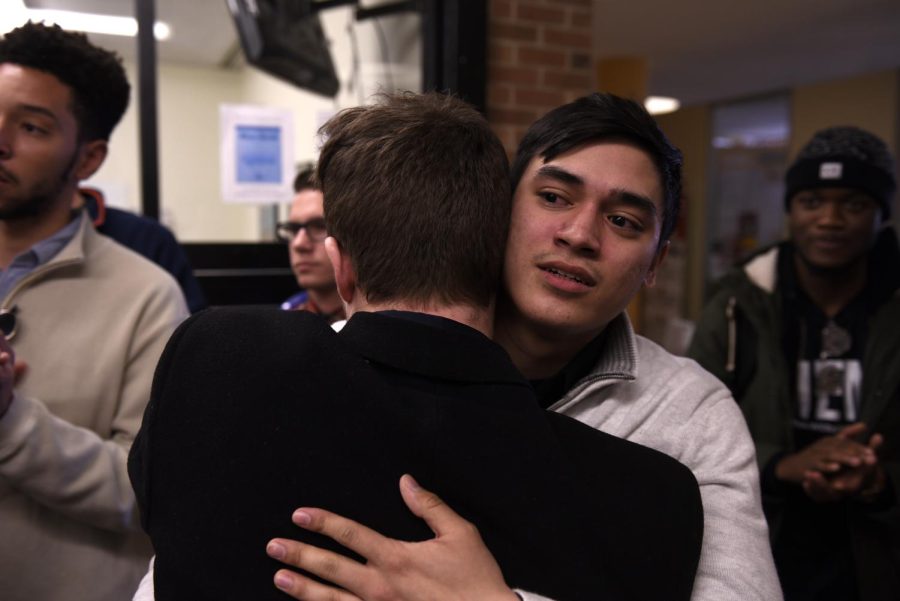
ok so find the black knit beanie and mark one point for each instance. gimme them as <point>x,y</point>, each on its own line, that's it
<point>844,157</point>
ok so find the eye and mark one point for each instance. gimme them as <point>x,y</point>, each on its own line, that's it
<point>808,201</point>
<point>549,197</point>
<point>31,128</point>
<point>624,222</point>
<point>857,204</point>
<point>316,227</point>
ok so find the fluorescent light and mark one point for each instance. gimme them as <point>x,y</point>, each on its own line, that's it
<point>659,105</point>
<point>93,23</point>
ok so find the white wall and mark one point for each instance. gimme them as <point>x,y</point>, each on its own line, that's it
<point>189,99</point>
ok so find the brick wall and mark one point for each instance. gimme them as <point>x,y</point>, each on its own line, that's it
<point>539,56</point>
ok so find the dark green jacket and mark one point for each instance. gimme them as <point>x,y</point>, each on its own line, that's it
<point>738,339</point>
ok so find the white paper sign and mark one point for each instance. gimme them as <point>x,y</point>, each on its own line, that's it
<point>257,154</point>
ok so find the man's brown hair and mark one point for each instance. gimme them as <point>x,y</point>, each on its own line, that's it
<point>417,194</point>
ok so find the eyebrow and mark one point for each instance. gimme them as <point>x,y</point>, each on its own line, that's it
<point>638,201</point>
<point>559,174</point>
<point>33,108</point>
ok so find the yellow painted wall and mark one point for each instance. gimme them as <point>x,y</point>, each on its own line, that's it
<point>869,101</point>
<point>690,130</point>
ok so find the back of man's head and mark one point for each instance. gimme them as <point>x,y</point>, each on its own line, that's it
<point>605,118</point>
<point>95,76</point>
<point>417,194</point>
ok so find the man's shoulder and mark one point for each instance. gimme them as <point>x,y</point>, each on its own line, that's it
<point>619,456</point>
<point>258,322</point>
<point>642,496</point>
<point>258,335</point>
<point>757,274</point>
<point>106,257</point>
<point>671,402</point>
<point>660,367</point>
<point>123,225</point>
<point>673,380</point>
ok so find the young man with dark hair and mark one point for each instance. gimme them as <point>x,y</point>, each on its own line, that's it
<point>88,316</point>
<point>597,188</point>
<point>292,410</point>
<point>305,234</point>
<point>805,333</point>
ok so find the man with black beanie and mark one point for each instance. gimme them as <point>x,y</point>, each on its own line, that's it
<point>806,334</point>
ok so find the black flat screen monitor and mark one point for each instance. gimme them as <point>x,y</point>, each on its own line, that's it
<point>284,38</point>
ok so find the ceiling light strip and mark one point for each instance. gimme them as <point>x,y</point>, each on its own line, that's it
<point>94,23</point>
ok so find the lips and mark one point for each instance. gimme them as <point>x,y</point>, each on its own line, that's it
<point>305,266</point>
<point>568,272</point>
<point>829,242</point>
<point>6,177</point>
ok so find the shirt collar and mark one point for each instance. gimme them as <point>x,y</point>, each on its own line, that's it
<point>612,354</point>
<point>48,248</point>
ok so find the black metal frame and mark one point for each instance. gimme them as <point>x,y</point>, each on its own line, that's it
<point>145,11</point>
<point>454,40</point>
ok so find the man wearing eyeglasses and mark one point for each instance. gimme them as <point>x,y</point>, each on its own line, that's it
<point>304,234</point>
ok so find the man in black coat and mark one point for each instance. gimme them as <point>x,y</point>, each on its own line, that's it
<point>417,203</point>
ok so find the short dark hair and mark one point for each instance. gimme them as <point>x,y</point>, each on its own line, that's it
<point>605,117</point>
<point>99,86</point>
<point>306,179</point>
<point>417,193</point>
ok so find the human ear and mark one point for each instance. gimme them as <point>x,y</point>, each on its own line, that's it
<point>344,273</point>
<point>91,157</point>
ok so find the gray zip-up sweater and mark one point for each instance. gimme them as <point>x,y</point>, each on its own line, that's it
<point>642,393</point>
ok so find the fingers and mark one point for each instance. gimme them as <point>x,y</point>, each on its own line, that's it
<point>428,506</point>
<point>852,431</point>
<point>5,346</point>
<point>19,369</point>
<point>854,457</point>
<point>832,453</point>
<point>325,564</point>
<point>816,487</point>
<point>344,531</point>
<point>876,441</point>
<point>307,589</point>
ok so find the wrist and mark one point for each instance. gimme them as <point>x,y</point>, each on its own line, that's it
<point>785,472</point>
<point>873,490</point>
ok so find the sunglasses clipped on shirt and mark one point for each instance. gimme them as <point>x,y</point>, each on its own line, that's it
<point>8,322</point>
<point>315,229</point>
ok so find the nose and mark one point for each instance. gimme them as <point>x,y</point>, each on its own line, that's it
<point>579,230</point>
<point>301,240</point>
<point>831,214</point>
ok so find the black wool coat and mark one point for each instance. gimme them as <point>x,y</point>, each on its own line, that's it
<point>255,412</point>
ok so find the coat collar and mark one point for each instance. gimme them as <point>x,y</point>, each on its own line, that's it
<point>433,347</point>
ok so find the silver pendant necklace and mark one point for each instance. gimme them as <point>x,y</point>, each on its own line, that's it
<point>835,342</point>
